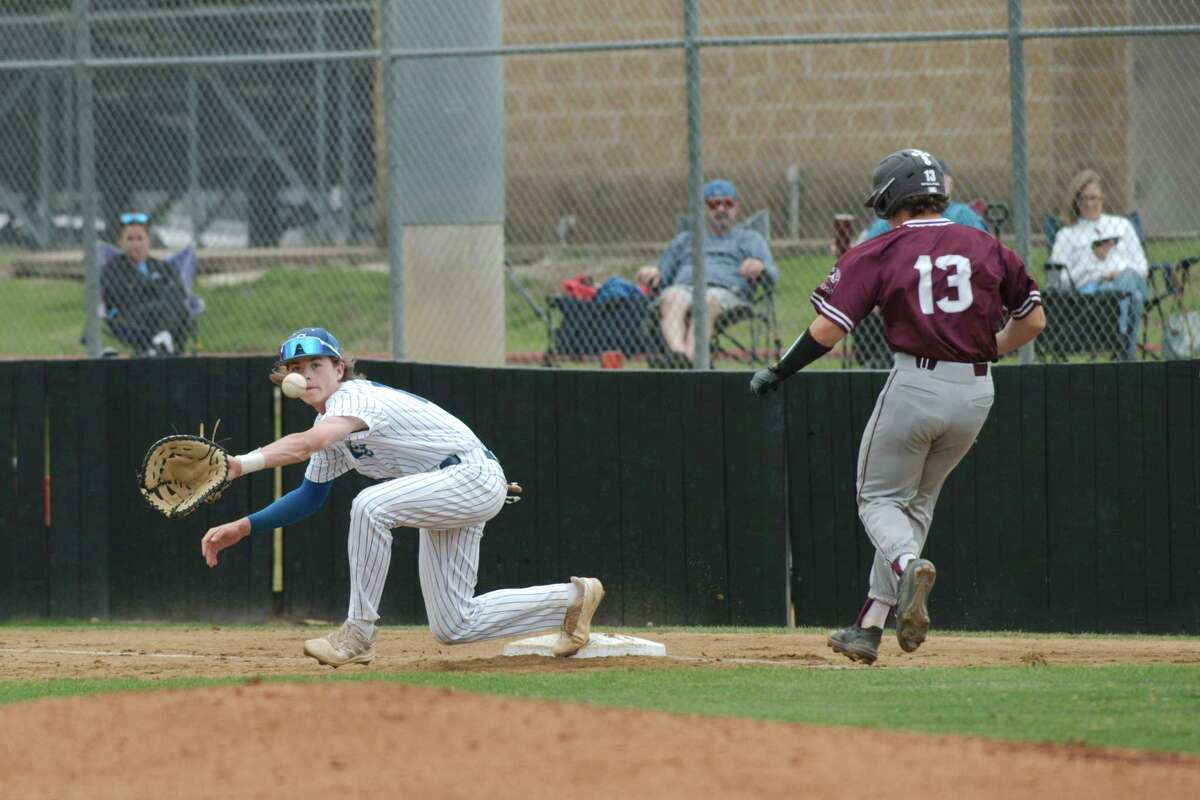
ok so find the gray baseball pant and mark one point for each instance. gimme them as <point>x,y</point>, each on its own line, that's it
<point>925,420</point>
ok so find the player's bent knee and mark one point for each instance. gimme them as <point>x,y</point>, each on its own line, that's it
<point>365,506</point>
<point>447,635</point>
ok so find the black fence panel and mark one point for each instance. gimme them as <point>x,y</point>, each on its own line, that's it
<point>9,372</point>
<point>26,528</point>
<point>696,503</point>
<point>1174,598</point>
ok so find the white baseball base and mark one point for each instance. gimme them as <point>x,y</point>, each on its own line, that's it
<point>600,645</point>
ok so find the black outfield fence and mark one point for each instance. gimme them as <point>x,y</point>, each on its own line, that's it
<point>694,502</point>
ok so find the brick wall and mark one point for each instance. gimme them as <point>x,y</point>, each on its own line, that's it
<point>603,136</point>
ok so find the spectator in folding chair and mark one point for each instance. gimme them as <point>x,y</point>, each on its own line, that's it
<point>1103,253</point>
<point>146,302</point>
<point>734,258</point>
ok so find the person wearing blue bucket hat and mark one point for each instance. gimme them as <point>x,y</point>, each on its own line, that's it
<point>734,259</point>
<point>434,475</point>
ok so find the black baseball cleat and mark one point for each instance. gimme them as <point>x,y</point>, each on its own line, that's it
<point>912,612</point>
<point>857,644</point>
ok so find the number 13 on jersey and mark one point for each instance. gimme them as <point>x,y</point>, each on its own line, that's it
<point>959,282</point>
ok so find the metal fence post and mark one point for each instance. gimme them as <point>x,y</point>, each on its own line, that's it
<point>193,155</point>
<point>344,131</point>
<point>793,180</point>
<point>321,133</point>
<point>1020,153</point>
<point>392,20</point>
<point>691,24</point>
<point>41,225</point>
<point>86,138</point>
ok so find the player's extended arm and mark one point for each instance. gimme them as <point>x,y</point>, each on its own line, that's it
<point>296,447</point>
<point>1019,331</point>
<point>815,342</point>
<point>291,449</point>
<point>294,506</point>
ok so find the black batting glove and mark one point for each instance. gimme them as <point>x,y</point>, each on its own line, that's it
<point>764,382</point>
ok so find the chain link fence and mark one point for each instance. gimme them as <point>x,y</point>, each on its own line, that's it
<point>240,138</point>
<point>492,191</point>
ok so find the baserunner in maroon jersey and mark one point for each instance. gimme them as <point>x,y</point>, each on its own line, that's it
<point>943,291</point>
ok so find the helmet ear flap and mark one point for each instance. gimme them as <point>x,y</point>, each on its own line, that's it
<point>880,199</point>
<point>881,204</point>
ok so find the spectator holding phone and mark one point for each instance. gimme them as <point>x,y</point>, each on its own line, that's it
<point>1102,253</point>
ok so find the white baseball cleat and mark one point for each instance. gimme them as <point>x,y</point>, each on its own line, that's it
<point>577,624</point>
<point>346,645</point>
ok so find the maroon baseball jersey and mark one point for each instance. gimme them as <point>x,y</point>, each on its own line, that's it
<point>942,289</point>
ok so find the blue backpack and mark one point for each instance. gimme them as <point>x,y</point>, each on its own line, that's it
<point>615,288</point>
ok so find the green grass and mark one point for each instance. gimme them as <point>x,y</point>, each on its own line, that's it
<point>44,317</point>
<point>21,691</point>
<point>253,317</point>
<point>1151,707</point>
<point>41,317</point>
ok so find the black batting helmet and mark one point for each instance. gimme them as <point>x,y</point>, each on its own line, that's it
<point>903,174</point>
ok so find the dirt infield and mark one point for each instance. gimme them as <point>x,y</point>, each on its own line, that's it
<point>321,740</point>
<point>160,652</point>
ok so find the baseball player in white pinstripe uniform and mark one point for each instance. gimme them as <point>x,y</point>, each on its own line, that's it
<point>439,478</point>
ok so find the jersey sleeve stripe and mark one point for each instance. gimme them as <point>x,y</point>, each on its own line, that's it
<point>835,316</point>
<point>1034,299</point>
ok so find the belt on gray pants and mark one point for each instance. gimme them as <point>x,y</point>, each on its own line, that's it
<point>450,461</point>
<point>981,369</point>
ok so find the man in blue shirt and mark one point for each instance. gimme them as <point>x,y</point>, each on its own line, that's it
<point>955,212</point>
<point>734,258</point>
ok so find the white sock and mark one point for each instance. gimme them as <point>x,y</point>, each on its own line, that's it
<point>903,560</point>
<point>876,616</point>
<point>366,628</point>
<point>574,593</point>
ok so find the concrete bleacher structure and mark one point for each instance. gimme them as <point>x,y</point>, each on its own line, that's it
<point>68,264</point>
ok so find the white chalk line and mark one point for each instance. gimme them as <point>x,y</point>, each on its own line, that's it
<point>26,651</point>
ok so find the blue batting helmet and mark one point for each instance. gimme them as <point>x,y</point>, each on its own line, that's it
<point>309,342</point>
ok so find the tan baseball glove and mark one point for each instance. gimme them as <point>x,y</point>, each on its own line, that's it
<point>179,472</point>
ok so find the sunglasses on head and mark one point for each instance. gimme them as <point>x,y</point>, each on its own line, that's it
<point>131,217</point>
<point>306,346</point>
<point>721,202</point>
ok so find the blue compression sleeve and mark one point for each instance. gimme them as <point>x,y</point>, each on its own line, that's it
<point>294,506</point>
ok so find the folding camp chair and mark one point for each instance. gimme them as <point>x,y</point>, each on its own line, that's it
<point>184,263</point>
<point>748,333</point>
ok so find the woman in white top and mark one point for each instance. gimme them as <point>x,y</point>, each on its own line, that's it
<point>1102,253</point>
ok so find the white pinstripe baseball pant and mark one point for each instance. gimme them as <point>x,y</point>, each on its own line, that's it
<point>450,507</point>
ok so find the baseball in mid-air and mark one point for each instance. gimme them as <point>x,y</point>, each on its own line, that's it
<point>293,384</point>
